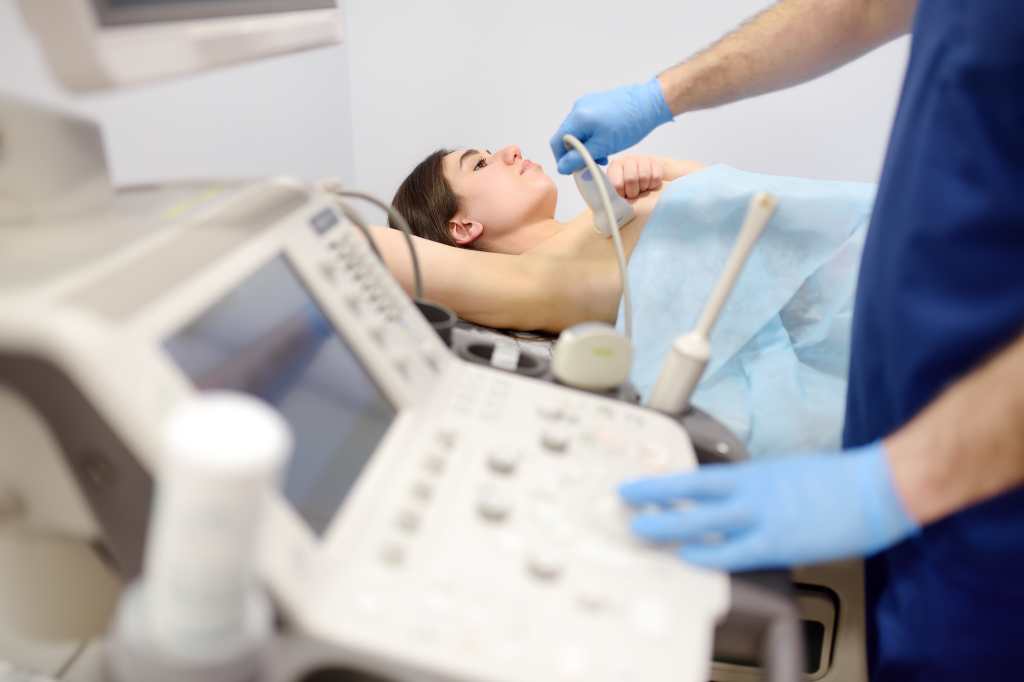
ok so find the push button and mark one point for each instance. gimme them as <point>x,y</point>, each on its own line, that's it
<point>545,564</point>
<point>504,461</point>
<point>446,438</point>
<point>402,367</point>
<point>555,441</point>
<point>379,335</point>
<point>422,491</point>
<point>408,520</point>
<point>552,411</point>
<point>435,463</point>
<point>493,505</point>
<point>592,596</point>
<point>328,270</point>
<point>392,554</point>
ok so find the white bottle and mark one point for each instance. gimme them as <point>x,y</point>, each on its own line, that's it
<point>199,605</point>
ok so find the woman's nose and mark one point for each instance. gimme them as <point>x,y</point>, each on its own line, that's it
<point>510,154</point>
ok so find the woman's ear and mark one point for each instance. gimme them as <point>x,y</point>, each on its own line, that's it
<point>464,232</point>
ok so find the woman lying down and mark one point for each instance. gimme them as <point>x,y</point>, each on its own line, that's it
<point>492,250</point>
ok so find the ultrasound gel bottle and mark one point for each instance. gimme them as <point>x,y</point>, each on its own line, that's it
<point>199,613</point>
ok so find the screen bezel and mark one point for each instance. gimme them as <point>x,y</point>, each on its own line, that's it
<point>294,270</point>
<point>193,10</point>
<point>298,565</point>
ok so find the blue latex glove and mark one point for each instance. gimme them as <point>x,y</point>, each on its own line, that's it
<point>608,122</point>
<point>775,513</point>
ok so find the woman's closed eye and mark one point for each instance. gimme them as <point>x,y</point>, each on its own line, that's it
<point>482,163</point>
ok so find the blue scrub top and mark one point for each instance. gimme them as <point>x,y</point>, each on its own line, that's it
<point>941,288</point>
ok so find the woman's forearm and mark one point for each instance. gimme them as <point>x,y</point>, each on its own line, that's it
<point>674,169</point>
<point>789,43</point>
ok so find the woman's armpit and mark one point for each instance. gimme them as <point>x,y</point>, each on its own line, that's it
<point>497,290</point>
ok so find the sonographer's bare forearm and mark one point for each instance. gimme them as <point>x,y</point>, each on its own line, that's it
<point>789,43</point>
<point>968,445</point>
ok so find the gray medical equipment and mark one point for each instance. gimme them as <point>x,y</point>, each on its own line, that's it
<point>414,538</point>
<point>261,288</point>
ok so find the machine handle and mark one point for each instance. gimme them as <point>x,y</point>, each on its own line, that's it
<point>772,617</point>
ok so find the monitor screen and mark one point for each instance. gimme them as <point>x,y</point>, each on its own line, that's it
<point>269,338</point>
<point>120,12</point>
<point>102,44</point>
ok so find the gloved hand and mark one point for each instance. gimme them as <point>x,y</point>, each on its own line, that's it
<point>775,513</point>
<point>608,122</point>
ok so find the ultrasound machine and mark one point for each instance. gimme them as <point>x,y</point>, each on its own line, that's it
<point>438,519</point>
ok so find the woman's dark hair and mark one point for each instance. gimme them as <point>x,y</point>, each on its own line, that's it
<point>427,201</point>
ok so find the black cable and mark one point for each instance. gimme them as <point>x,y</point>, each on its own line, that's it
<point>396,218</point>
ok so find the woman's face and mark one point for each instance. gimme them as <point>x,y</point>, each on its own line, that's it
<point>501,191</point>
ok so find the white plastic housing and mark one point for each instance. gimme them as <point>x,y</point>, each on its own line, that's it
<point>52,164</point>
<point>87,55</point>
<point>586,184</point>
<point>682,370</point>
<point>223,455</point>
<point>489,500</point>
<point>690,353</point>
<point>592,356</point>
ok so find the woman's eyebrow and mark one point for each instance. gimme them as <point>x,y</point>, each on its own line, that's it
<point>466,154</point>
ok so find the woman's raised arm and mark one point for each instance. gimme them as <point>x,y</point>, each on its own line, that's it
<point>635,176</point>
<point>526,292</point>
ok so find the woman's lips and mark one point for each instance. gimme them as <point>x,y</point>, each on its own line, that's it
<point>527,165</point>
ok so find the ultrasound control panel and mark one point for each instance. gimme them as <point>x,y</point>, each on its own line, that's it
<point>438,519</point>
<point>500,543</point>
<point>477,531</point>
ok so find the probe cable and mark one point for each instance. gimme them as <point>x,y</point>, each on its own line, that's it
<point>396,218</point>
<point>620,254</point>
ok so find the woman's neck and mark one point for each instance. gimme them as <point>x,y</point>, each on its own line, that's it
<point>525,238</point>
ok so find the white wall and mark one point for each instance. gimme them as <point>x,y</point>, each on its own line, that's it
<point>415,75</point>
<point>287,115</point>
<point>431,73</point>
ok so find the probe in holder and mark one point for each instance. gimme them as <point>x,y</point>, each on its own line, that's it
<point>690,352</point>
